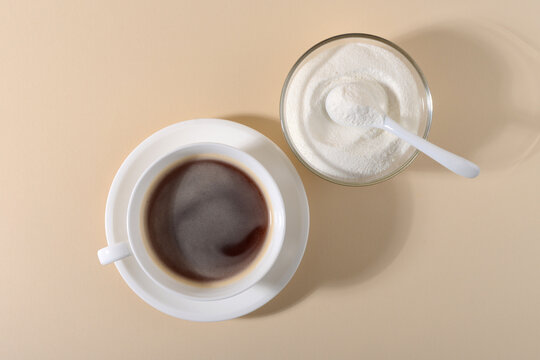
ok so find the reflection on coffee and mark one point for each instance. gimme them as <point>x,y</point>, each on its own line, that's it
<point>206,220</point>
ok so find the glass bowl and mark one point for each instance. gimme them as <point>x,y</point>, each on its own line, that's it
<point>424,97</point>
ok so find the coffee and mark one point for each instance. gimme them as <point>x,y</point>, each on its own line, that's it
<point>206,220</point>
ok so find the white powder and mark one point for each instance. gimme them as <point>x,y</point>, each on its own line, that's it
<point>356,104</point>
<point>351,153</point>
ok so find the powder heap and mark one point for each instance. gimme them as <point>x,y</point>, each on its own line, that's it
<point>349,153</point>
<point>356,104</point>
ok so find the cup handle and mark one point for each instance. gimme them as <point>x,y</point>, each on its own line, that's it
<point>114,253</point>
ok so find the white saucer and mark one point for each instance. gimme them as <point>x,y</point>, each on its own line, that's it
<point>275,161</point>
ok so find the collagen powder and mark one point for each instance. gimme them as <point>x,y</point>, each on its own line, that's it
<point>343,151</point>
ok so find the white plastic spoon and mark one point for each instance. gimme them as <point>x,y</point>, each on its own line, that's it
<point>350,105</point>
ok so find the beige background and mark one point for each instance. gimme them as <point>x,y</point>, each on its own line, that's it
<point>425,266</point>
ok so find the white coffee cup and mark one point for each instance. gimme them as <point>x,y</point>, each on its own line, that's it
<point>137,244</point>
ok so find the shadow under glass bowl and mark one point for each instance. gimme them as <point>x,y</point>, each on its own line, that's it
<point>423,93</point>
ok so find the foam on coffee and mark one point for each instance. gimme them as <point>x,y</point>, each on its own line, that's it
<point>206,220</point>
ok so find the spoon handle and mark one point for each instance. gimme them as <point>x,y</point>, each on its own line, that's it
<point>451,161</point>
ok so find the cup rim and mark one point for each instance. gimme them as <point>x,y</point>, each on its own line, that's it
<point>266,260</point>
<point>429,104</point>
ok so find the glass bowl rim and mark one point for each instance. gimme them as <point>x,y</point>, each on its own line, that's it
<point>376,38</point>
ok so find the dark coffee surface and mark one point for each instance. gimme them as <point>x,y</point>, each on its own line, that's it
<point>206,220</point>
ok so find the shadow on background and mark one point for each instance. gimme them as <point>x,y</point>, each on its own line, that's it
<point>354,234</point>
<point>485,83</point>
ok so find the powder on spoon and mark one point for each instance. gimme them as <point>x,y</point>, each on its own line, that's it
<point>355,104</point>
